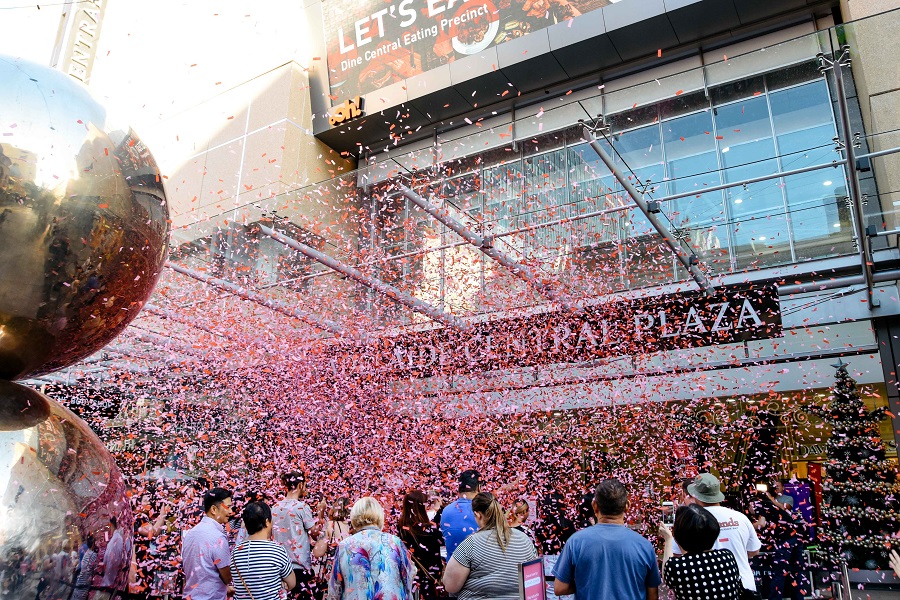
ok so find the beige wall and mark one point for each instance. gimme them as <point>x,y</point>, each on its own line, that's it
<point>875,48</point>
<point>250,144</point>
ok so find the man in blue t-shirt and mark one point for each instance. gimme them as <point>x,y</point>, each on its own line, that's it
<point>608,560</point>
<point>457,519</point>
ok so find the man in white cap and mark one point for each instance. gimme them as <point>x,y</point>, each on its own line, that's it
<point>736,531</point>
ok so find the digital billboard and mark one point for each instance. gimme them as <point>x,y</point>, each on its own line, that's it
<point>374,43</point>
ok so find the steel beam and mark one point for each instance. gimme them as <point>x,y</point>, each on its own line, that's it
<point>838,282</point>
<point>165,313</point>
<point>688,261</point>
<point>837,65</point>
<point>296,313</point>
<point>485,245</point>
<point>379,286</point>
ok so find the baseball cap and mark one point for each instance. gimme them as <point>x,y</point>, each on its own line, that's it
<point>469,481</point>
<point>706,489</point>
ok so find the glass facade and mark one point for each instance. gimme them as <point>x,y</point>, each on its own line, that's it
<point>548,201</point>
<point>755,127</point>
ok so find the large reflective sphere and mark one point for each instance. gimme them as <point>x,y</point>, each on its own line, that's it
<point>83,222</point>
<point>58,486</point>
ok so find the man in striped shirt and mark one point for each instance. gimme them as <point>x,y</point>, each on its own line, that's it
<point>260,565</point>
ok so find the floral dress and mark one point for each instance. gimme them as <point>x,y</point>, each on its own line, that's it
<point>371,565</point>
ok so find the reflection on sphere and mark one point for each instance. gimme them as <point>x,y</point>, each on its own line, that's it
<point>83,222</point>
<point>58,485</point>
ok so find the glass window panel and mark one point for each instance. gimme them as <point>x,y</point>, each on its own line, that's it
<point>759,228</point>
<point>804,124</point>
<point>820,218</point>
<point>683,104</point>
<point>691,166</point>
<point>745,88</point>
<point>804,128</point>
<point>807,71</point>
<point>649,261</point>
<point>638,153</point>
<point>502,187</point>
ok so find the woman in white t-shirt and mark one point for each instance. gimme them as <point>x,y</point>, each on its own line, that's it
<point>260,567</point>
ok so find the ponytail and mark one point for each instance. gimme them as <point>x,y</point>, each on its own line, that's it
<point>494,518</point>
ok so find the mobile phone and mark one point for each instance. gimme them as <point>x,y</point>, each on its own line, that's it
<point>668,513</point>
<point>762,487</point>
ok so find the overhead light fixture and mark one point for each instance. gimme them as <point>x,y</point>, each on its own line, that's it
<point>837,225</point>
<point>826,183</point>
<point>738,200</point>
<point>726,149</point>
<point>762,238</point>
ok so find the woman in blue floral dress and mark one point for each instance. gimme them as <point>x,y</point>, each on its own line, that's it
<point>371,564</point>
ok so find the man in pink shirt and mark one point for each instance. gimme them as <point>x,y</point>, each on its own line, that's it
<point>205,554</point>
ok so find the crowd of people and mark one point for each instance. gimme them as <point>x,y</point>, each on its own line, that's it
<point>472,549</point>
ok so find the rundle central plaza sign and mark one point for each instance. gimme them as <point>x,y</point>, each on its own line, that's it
<point>622,328</point>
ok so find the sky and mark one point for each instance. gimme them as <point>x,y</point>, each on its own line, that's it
<point>155,63</point>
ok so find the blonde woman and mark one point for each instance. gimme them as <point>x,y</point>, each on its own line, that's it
<point>485,566</point>
<point>370,563</point>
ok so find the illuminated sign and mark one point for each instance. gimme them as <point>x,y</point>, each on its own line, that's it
<point>373,43</point>
<point>350,109</point>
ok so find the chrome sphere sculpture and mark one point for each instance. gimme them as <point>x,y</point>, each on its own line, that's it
<point>59,489</point>
<point>83,222</point>
<point>83,237</point>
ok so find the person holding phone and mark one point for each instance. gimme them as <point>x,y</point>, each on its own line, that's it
<point>701,572</point>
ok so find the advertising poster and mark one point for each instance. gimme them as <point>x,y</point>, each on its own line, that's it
<point>374,43</point>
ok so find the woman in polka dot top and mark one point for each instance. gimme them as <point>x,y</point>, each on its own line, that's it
<point>701,573</point>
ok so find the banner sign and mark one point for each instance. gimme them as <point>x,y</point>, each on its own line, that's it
<point>374,43</point>
<point>80,43</point>
<point>627,327</point>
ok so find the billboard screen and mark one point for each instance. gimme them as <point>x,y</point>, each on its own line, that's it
<point>374,43</point>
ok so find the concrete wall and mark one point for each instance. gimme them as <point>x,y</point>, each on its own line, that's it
<point>250,144</point>
<point>875,48</point>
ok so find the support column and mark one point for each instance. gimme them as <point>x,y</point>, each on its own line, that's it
<point>887,332</point>
<point>837,65</point>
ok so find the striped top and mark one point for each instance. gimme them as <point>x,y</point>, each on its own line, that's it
<point>493,573</point>
<point>262,564</point>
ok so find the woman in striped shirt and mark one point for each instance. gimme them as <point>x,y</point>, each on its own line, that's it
<point>260,568</point>
<point>485,566</point>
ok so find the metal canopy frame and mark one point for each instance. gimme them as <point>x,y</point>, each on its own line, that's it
<point>486,245</point>
<point>165,313</point>
<point>240,292</point>
<point>373,283</point>
<point>689,261</point>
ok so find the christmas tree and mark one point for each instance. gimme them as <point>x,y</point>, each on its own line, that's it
<point>860,518</point>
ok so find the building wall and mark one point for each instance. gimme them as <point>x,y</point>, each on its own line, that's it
<point>251,143</point>
<point>874,48</point>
